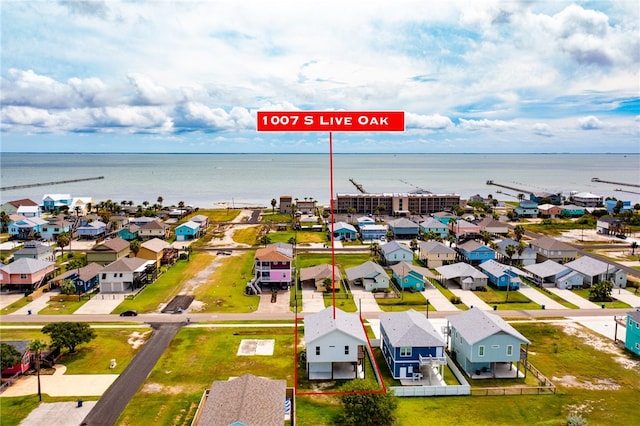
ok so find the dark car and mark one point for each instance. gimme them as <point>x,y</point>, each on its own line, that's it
<point>129,313</point>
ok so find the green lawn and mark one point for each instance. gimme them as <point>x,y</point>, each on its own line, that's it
<point>514,300</point>
<point>553,296</point>
<point>407,301</point>
<point>584,293</point>
<point>65,307</point>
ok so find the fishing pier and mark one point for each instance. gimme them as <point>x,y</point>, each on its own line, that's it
<point>57,182</point>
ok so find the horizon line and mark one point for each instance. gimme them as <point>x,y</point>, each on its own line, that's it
<point>321,153</point>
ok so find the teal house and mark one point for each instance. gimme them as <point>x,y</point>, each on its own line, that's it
<point>571,210</point>
<point>129,233</point>
<point>188,231</point>
<point>409,276</point>
<point>632,338</point>
<point>343,231</point>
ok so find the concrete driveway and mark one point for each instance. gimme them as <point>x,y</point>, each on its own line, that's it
<point>61,384</point>
<point>469,298</point>
<point>570,296</point>
<point>101,303</point>
<point>540,298</point>
<point>312,301</point>
<point>438,300</point>
<point>364,300</point>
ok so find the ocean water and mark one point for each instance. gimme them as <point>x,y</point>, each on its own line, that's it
<point>211,180</point>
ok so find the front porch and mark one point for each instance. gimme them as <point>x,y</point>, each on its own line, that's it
<point>498,370</point>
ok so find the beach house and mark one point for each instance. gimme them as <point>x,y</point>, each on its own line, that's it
<point>404,229</point>
<point>463,275</point>
<point>474,252</point>
<point>632,333</point>
<point>434,254</point>
<point>501,276</point>
<point>319,277</point>
<point>273,266</point>
<point>25,274</point>
<point>410,277</point>
<point>594,270</point>
<point>394,252</point>
<point>369,275</point>
<point>548,248</point>
<point>550,274</point>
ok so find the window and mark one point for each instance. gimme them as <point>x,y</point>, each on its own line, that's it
<point>405,351</point>
<point>104,276</point>
<point>23,276</point>
<point>346,350</point>
<point>509,350</point>
<point>480,350</point>
<point>637,345</point>
<point>317,350</point>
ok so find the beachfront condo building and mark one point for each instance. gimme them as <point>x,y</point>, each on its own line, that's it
<point>396,203</point>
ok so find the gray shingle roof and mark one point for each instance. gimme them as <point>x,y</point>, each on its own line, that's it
<point>322,323</point>
<point>126,264</point>
<point>403,268</point>
<point>411,329</point>
<point>26,266</point>
<point>367,269</point>
<point>475,325</point>
<point>319,272</point>
<point>435,247</point>
<point>546,268</point>
<point>459,269</point>
<point>589,266</point>
<point>392,246</point>
<point>247,400</point>
<point>550,243</point>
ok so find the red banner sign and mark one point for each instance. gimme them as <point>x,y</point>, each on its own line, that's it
<point>330,121</point>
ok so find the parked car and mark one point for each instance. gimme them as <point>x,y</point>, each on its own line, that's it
<point>129,313</point>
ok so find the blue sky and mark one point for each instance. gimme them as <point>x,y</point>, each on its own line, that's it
<point>183,76</point>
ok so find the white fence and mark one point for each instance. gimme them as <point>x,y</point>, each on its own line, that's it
<point>454,390</point>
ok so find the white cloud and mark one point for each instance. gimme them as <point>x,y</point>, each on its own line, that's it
<point>484,124</point>
<point>430,122</point>
<point>590,123</point>
<point>542,129</point>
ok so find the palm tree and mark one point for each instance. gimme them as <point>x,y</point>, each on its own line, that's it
<point>36,347</point>
<point>375,250</point>
<point>265,240</point>
<point>4,221</point>
<point>414,245</point>
<point>486,237</point>
<point>160,200</point>
<point>134,246</point>
<point>63,239</point>
<point>273,205</point>
<point>518,231</point>
<point>634,246</point>
<point>510,250</point>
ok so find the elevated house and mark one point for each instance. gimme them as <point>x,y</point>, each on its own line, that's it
<point>501,276</point>
<point>85,278</point>
<point>51,202</point>
<point>29,211</point>
<point>373,232</point>
<point>26,274</point>
<point>474,253</point>
<point>369,275</point>
<point>632,333</point>
<point>244,401</point>
<point>286,204</point>
<point>35,250</point>
<point>55,226</point>
<point>571,210</point>
<point>335,345</point>
<point>462,274</point>
<point>394,252</point>
<point>527,257</point>
<point>273,266</point>
<point>546,197</point>
<point>527,208</point>
<point>154,228</point>
<point>92,230</point>
<point>549,210</point>
<point>594,270</point>
<point>23,365</point>
<point>154,249</point>
<point>320,277</point>
<point>80,205</point>
<point>188,231</point>
<point>485,346</point>
<point>126,275</point>
<point>434,226</point>
<point>610,205</point>
<point>608,225</point>
<point>434,254</point>
<point>411,346</point>
<point>463,229</point>
<point>25,228</point>
<point>548,248</point>
<point>404,229</point>
<point>365,220</point>
<point>553,274</point>
<point>108,251</point>
<point>493,226</point>
<point>343,231</point>
<point>202,220</point>
<point>410,277</point>
<point>587,199</point>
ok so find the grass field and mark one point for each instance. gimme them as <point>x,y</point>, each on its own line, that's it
<point>512,300</point>
<point>584,292</point>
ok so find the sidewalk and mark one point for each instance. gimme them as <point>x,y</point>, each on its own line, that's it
<point>364,300</point>
<point>470,299</point>
<point>626,296</point>
<point>540,298</point>
<point>7,299</point>
<point>101,304</point>
<point>36,306</point>
<point>438,300</point>
<point>312,301</point>
<point>58,413</point>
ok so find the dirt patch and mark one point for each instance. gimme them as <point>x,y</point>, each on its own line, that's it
<point>158,388</point>
<point>250,347</point>
<point>598,384</point>
<point>137,339</point>
<point>601,344</point>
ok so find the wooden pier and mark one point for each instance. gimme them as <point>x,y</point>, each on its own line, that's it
<point>358,186</point>
<point>513,188</point>
<point>635,185</point>
<point>58,182</point>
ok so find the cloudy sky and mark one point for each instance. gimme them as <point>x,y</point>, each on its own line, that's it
<point>184,76</point>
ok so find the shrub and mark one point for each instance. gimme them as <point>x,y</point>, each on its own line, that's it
<point>575,419</point>
<point>455,300</point>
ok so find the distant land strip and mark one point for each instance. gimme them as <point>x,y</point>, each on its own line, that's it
<point>57,182</point>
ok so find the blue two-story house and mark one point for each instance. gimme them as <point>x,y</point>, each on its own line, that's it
<point>187,231</point>
<point>632,336</point>
<point>85,278</point>
<point>527,208</point>
<point>474,253</point>
<point>501,275</point>
<point>410,345</point>
<point>485,346</point>
<point>409,276</point>
<point>344,231</point>
<point>394,252</point>
<point>431,225</point>
<point>92,230</point>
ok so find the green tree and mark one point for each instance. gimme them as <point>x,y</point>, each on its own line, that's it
<point>63,239</point>
<point>273,205</point>
<point>265,240</point>
<point>634,246</point>
<point>510,250</point>
<point>601,291</point>
<point>4,221</point>
<point>69,334</point>
<point>486,237</point>
<point>134,246</point>
<point>9,356</point>
<point>160,200</point>
<point>36,347</point>
<point>365,406</point>
<point>414,245</point>
<point>67,287</point>
<point>375,250</point>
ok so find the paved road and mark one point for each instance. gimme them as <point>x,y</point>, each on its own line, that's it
<point>116,398</point>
